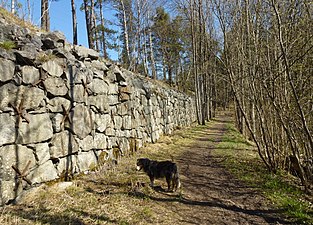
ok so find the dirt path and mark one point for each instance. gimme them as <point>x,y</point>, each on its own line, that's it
<point>210,194</point>
<point>121,195</point>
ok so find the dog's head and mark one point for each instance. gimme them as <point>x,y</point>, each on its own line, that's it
<point>142,163</point>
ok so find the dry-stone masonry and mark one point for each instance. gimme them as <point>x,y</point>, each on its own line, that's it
<point>63,110</point>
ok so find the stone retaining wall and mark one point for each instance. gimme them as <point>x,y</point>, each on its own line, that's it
<point>63,110</point>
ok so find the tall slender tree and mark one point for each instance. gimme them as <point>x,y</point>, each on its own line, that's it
<point>74,22</point>
<point>45,17</point>
<point>88,18</point>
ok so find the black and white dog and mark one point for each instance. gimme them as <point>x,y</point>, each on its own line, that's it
<point>155,170</point>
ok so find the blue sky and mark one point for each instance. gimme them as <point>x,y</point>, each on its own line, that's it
<point>61,19</point>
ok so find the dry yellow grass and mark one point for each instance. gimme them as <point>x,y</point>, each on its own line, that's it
<point>113,194</point>
<point>13,19</point>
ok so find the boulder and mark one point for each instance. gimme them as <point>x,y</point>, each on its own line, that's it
<point>7,191</point>
<point>30,74</point>
<point>26,57</point>
<point>99,66</point>
<point>53,40</point>
<point>56,86</point>
<point>100,102</point>
<point>98,86</point>
<point>41,152</point>
<point>6,54</point>
<point>7,68</point>
<point>81,52</point>
<point>7,129</point>
<point>82,122</point>
<point>127,123</point>
<point>53,68</point>
<point>18,156</point>
<point>123,108</point>
<point>103,121</point>
<point>78,74</point>
<point>112,89</point>
<point>78,93</point>
<point>86,161</point>
<point>43,173</point>
<point>55,104</point>
<point>98,141</point>
<point>63,144</point>
<point>118,122</point>
<point>29,97</point>
<point>38,130</point>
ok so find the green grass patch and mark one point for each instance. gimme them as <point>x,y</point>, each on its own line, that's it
<point>242,160</point>
<point>7,45</point>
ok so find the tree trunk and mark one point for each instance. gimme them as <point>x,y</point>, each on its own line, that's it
<point>93,24</point>
<point>45,18</point>
<point>103,39</point>
<point>154,74</point>
<point>88,24</point>
<point>126,40</point>
<point>12,6</point>
<point>74,21</point>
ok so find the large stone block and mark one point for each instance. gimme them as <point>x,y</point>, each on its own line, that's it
<point>86,161</point>
<point>8,129</point>
<point>98,86</point>
<point>98,141</point>
<point>26,57</point>
<point>127,123</point>
<point>39,129</point>
<point>82,52</point>
<point>53,68</point>
<point>43,173</point>
<point>7,192</point>
<point>55,104</point>
<point>15,155</point>
<point>30,74</point>
<point>102,122</point>
<point>79,94</point>
<point>113,99</point>
<point>56,86</point>
<point>41,152</point>
<point>118,122</point>
<point>82,122</point>
<point>124,108</point>
<point>31,97</point>
<point>63,144</point>
<point>99,66</point>
<point>112,89</point>
<point>100,102</point>
<point>7,68</point>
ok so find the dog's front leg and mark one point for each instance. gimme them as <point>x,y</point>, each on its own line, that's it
<point>168,181</point>
<point>152,182</point>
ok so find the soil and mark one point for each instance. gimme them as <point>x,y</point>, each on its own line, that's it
<point>211,195</point>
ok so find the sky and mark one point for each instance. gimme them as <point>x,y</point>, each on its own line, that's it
<point>61,20</point>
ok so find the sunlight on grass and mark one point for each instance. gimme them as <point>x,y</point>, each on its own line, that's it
<point>118,194</point>
<point>242,160</point>
<point>7,45</point>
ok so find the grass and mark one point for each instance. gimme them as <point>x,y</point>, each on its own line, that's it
<point>13,19</point>
<point>44,57</point>
<point>243,161</point>
<point>7,45</point>
<point>120,195</point>
<point>110,195</point>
